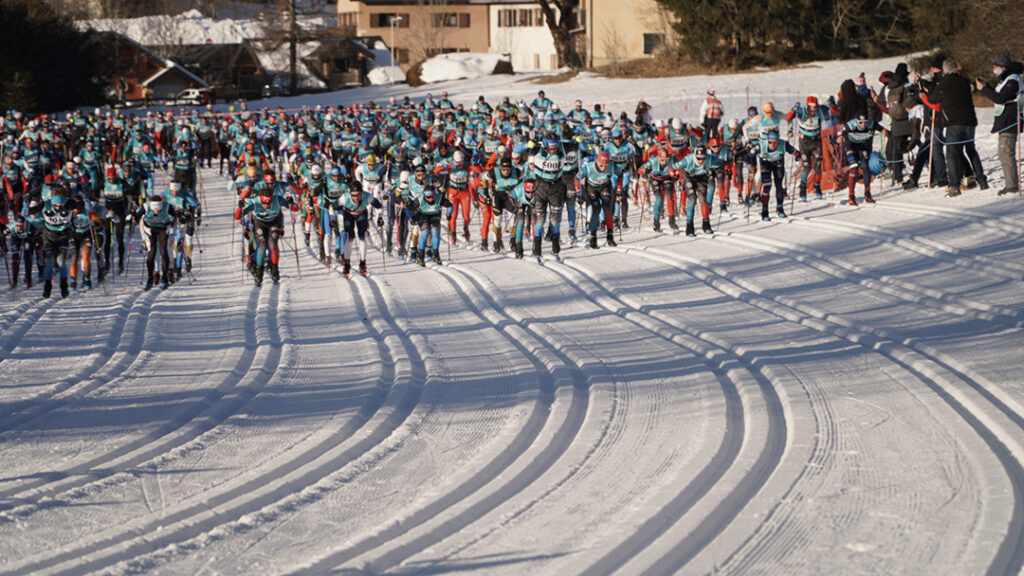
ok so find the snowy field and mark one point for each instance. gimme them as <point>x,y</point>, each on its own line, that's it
<point>839,392</point>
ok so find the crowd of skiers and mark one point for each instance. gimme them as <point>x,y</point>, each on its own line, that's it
<point>416,172</point>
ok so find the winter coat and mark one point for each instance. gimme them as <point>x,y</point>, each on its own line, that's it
<point>1007,96</point>
<point>956,106</point>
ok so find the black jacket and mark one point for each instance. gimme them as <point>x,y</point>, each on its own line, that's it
<point>1007,96</point>
<point>956,106</point>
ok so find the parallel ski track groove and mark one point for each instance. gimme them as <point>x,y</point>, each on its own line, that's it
<point>923,246</point>
<point>19,412</point>
<point>525,438</point>
<point>136,452</point>
<point>709,352</point>
<point>890,285</point>
<point>102,550</point>
<point>1010,556</point>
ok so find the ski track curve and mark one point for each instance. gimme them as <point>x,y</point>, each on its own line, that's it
<point>222,400</point>
<point>937,375</point>
<point>98,552</point>
<point>893,286</point>
<point>308,478</point>
<point>451,512</point>
<point>114,356</point>
<point>1000,223</point>
<point>728,366</point>
<point>920,245</point>
<point>727,450</point>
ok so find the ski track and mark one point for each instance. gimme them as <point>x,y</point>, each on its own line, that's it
<point>939,376</point>
<point>334,462</point>
<point>612,438</point>
<point>112,357</point>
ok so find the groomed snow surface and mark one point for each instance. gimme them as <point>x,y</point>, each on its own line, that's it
<point>838,392</point>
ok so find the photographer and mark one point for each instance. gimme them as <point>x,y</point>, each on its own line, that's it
<point>1006,96</point>
<point>953,95</point>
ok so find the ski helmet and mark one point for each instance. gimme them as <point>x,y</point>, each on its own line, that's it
<point>662,154</point>
<point>111,172</point>
<point>156,203</point>
<point>175,186</point>
<point>316,171</point>
<point>812,102</point>
<point>603,159</point>
<point>458,157</point>
<point>335,172</point>
<point>269,177</point>
<point>752,111</point>
<point>677,124</point>
<point>714,143</point>
<point>768,108</point>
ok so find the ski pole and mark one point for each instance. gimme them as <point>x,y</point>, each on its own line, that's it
<point>295,249</point>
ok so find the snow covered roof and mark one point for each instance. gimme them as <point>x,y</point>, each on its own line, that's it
<point>190,27</point>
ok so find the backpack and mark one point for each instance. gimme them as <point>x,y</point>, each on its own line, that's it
<point>894,100</point>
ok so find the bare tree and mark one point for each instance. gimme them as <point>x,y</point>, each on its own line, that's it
<point>428,39</point>
<point>561,21</point>
<point>291,26</point>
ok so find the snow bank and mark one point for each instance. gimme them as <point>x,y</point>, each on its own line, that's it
<point>467,65</point>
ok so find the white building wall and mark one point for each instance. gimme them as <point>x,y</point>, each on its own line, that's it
<point>531,47</point>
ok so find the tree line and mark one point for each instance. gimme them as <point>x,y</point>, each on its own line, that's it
<point>738,34</point>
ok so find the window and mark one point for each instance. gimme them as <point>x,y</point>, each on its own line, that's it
<point>348,19</point>
<point>652,41</point>
<point>341,65</point>
<point>384,19</point>
<point>445,20</point>
<point>402,55</point>
<point>512,18</point>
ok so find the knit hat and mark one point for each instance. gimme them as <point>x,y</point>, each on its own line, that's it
<point>885,77</point>
<point>1002,60</point>
<point>938,61</point>
<point>860,79</point>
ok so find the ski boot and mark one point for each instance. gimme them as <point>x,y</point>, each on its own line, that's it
<point>346,267</point>
<point>611,239</point>
<point>764,215</point>
<point>87,283</point>
<point>451,237</point>
<point>47,288</point>
<point>339,256</point>
<point>73,284</point>
<point>556,245</point>
<point>402,253</point>
<point>465,233</point>
<point>705,226</point>
<point>519,250</point>
<point>483,245</point>
<point>723,207</point>
<point>536,247</point>
<point>389,248</point>
<point>437,258</point>
<point>499,247</point>
<point>868,198</point>
<point>817,191</point>
<point>120,268</point>
<point>852,201</point>
<point>593,239</point>
<point>257,276</point>
<point>307,239</point>
<point>780,212</point>
<point>275,273</point>
<point>188,264</point>
<point>362,268</point>
<point>689,228</point>
<point>672,223</point>
<point>414,255</point>
<point>421,260</point>
<point>572,236</point>
<point>64,288</point>
<point>657,225</point>
<point>167,280</point>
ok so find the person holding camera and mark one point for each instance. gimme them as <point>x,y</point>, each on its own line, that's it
<point>1007,96</point>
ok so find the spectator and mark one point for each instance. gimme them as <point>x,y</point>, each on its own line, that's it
<point>1006,98</point>
<point>953,95</point>
<point>711,114</point>
<point>897,98</point>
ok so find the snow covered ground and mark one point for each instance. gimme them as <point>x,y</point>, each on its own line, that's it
<point>834,393</point>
